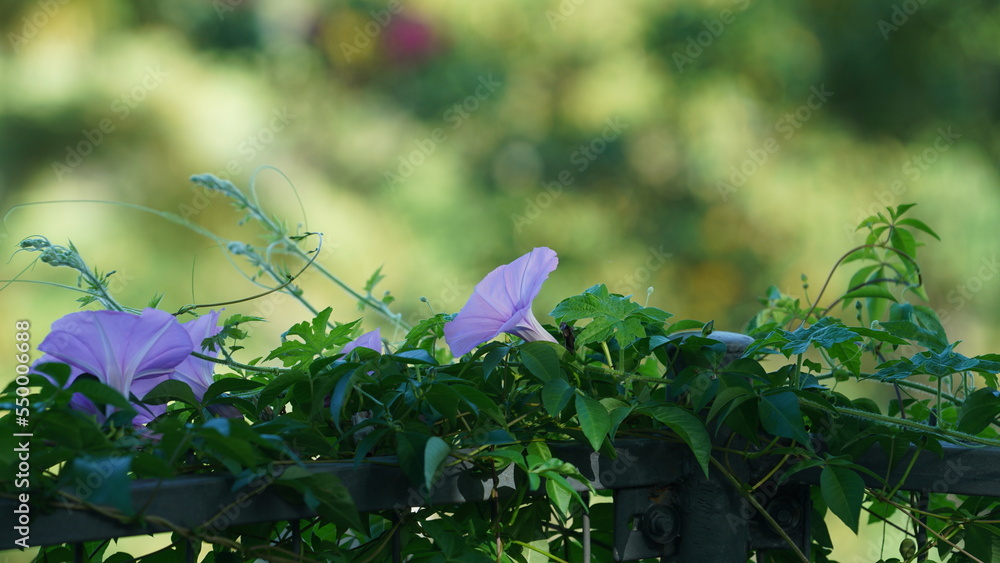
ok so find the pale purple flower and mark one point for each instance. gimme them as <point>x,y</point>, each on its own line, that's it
<point>371,340</point>
<point>129,353</point>
<point>501,303</point>
<point>199,374</point>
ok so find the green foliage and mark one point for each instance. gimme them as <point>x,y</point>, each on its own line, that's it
<point>630,375</point>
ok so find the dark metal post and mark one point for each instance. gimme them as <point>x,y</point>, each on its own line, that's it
<point>712,528</point>
<point>585,522</point>
<point>296,526</point>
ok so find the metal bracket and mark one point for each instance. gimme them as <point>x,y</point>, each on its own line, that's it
<point>647,523</point>
<point>649,520</point>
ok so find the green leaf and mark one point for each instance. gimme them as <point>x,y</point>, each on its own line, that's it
<point>480,402</point>
<point>979,410</point>
<point>341,392</point>
<point>410,449</point>
<point>594,420</point>
<point>918,224</point>
<point>436,452</point>
<point>327,495</point>
<point>937,364</point>
<point>445,400</point>
<point>901,209</point>
<point>228,385</point>
<point>492,359</point>
<point>111,488</point>
<point>686,324</point>
<point>556,395</point>
<point>99,393</point>
<point>542,360</point>
<point>982,541</point>
<point>689,427</point>
<point>561,494</point>
<point>277,386</point>
<point>823,334</point>
<point>843,491</point>
<point>415,356</point>
<point>612,314</point>
<point>171,390</point>
<point>780,415</point>
<point>875,291</point>
<point>903,240</point>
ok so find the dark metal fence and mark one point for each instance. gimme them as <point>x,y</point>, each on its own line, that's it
<point>663,504</point>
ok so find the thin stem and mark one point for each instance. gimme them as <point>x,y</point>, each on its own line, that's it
<point>770,520</point>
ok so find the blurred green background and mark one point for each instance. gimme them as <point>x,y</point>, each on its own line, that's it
<point>707,149</point>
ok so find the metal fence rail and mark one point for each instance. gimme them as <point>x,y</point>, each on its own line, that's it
<point>664,506</point>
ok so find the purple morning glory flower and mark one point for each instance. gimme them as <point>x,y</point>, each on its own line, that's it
<point>502,303</point>
<point>199,373</point>
<point>129,353</point>
<point>371,340</point>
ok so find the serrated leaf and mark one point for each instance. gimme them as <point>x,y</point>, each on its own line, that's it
<point>613,315</point>
<point>843,491</point>
<point>911,331</point>
<point>594,420</point>
<point>823,334</point>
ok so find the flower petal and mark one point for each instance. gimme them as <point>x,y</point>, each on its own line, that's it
<point>501,302</point>
<point>524,325</point>
<point>119,347</point>
<point>199,374</point>
<point>371,340</point>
